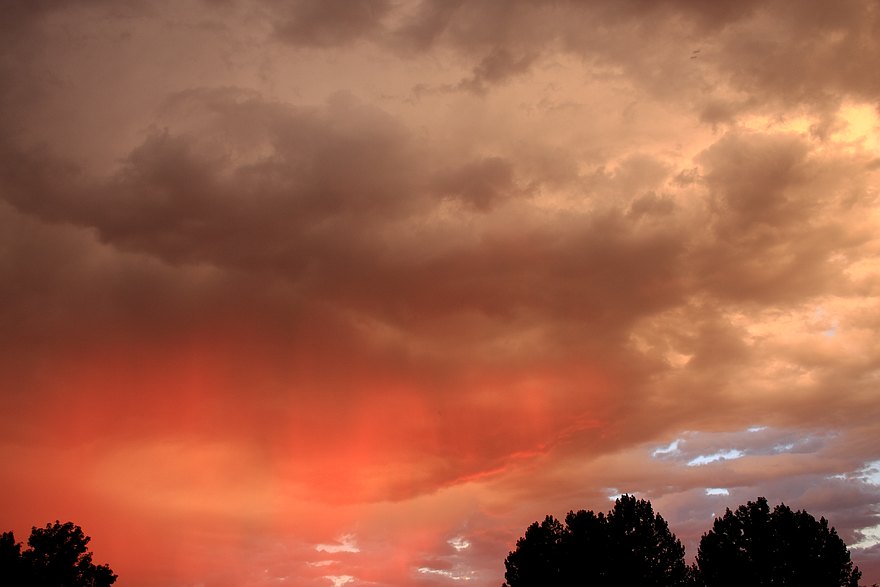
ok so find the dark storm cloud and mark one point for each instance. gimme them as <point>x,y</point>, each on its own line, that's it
<point>496,67</point>
<point>327,23</point>
<point>19,15</point>
<point>317,206</point>
<point>479,184</point>
<point>316,200</point>
<point>506,37</point>
<point>779,213</point>
<point>176,198</point>
<point>819,54</point>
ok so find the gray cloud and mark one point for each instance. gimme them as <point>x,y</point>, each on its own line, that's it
<point>316,23</point>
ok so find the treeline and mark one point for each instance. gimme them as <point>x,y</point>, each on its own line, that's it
<point>631,545</point>
<point>57,556</point>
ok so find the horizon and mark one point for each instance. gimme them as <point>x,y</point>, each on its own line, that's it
<point>334,292</point>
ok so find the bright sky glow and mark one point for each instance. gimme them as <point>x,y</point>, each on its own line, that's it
<point>871,473</point>
<point>442,573</point>
<point>672,448</point>
<point>724,455</point>
<point>614,495</point>
<point>860,124</point>
<point>870,538</point>
<point>717,491</point>
<point>339,580</point>
<point>459,543</point>
<point>346,544</point>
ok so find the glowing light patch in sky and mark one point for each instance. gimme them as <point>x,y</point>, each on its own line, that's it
<point>717,491</point>
<point>861,125</point>
<point>822,318</point>
<point>678,359</point>
<point>459,543</point>
<point>856,124</point>
<point>442,573</point>
<point>871,473</point>
<point>615,494</point>
<point>671,449</point>
<point>725,455</point>
<point>870,537</point>
<point>339,580</point>
<point>698,448</point>
<point>346,544</point>
<point>799,124</point>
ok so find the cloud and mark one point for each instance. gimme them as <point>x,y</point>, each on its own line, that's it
<point>175,189</point>
<point>479,184</point>
<point>770,195</point>
<point>251,279</point>
<point>494,68</point>
<point>346,544</point>
<point>313,23</point>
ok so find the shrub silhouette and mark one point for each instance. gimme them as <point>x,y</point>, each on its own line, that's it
<point>57,556</point>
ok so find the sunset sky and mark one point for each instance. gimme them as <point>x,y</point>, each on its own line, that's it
<point>349,292</point>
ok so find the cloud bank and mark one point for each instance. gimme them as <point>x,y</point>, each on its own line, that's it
<point>351,292</point>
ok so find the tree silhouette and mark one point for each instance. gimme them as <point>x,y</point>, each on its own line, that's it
<point>642,547</point>
<point>756,546</point>
<point>57,556</point>
<point>629,546</point>
<point>11,564</point>
<point>538,557</point>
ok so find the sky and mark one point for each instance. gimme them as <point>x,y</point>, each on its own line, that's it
<point>350,292</point>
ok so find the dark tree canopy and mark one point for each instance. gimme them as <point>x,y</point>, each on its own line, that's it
<point>57,556</point>
<point>11,565</point>
<point>628,546</point>
<point>757,546</point>
<point>643,550</point>
<point>537,559</point>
